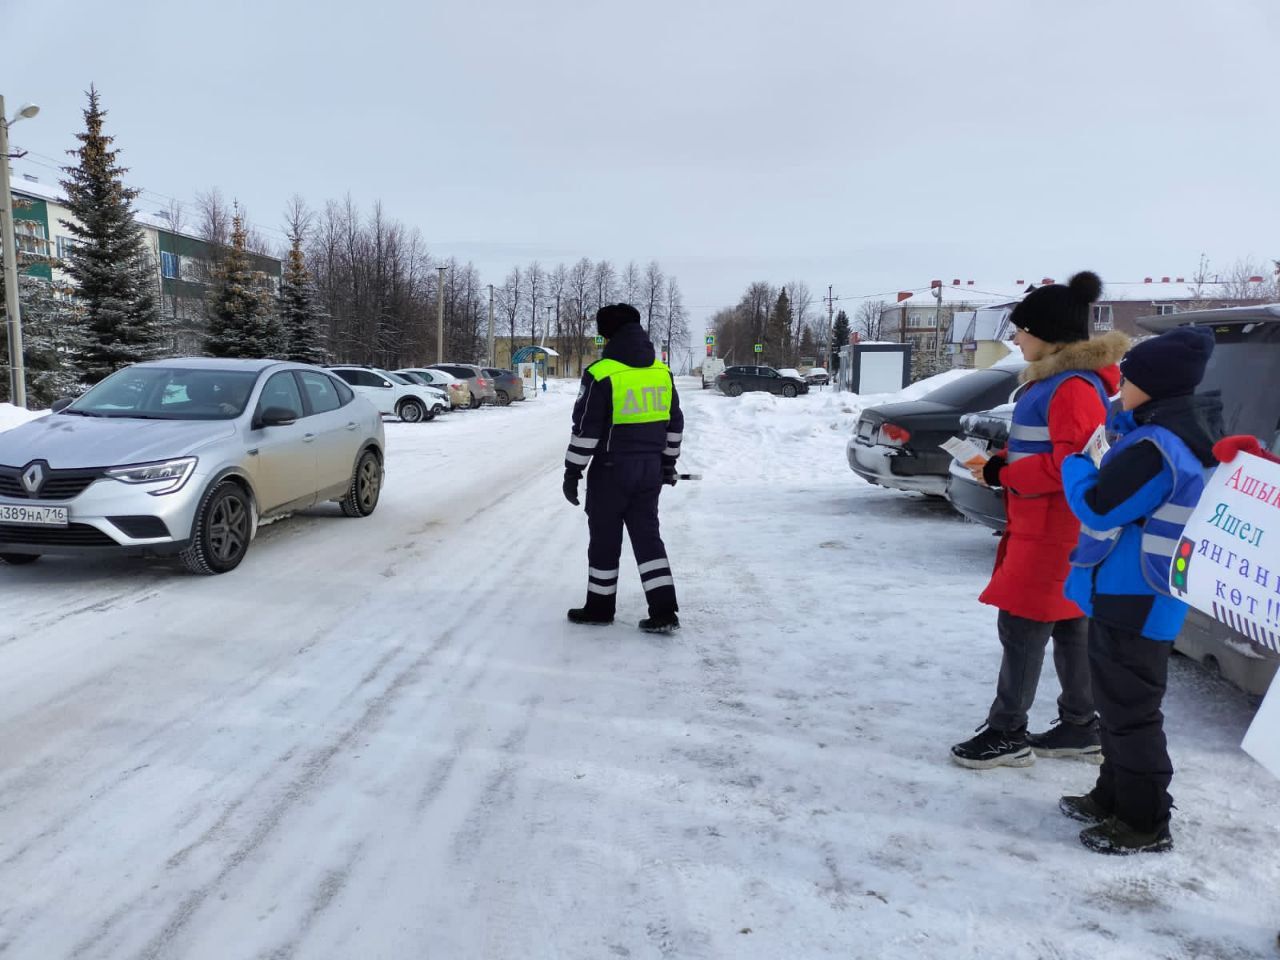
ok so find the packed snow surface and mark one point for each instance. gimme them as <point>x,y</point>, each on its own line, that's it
<point>381,739</point>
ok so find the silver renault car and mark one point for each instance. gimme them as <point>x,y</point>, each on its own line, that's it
<point>184,457</point>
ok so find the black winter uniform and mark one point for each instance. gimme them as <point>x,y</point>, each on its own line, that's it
<point>629,464</point>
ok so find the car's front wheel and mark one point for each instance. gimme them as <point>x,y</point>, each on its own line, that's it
<point>366,486</point>
<point>788,389</point>
<point>412,411</point>
<point>223,529</point>
<point>19,559</point>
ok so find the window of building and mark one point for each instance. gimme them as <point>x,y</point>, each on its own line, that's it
<point>65,245</point>
<point>1103,318</point>
<point>170,265</point>
<point>1164,309</point>
<point>31,237</point>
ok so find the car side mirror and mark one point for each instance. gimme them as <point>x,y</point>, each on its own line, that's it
<point>275,417</point>
<point>61,404</point>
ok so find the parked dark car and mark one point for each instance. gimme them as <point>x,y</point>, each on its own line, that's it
<point>508,384</point>
<point>1247,354</point>
<point>736,381</point>
<point>896,445</point>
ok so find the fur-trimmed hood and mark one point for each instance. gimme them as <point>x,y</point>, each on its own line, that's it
<point>1096,354</point>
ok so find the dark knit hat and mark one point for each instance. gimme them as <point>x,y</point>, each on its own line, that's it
<point>1170,365</point>
<point>609,319</point>
<point>1056,313</point>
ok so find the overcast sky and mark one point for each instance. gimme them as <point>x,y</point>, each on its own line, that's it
<point>872,146</point>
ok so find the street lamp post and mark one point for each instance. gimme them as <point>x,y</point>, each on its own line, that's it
<point>9,242</point>
<point>440,317</point>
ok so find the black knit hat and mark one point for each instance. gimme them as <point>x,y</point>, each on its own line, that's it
<point>609,319</point>
<point>1170,365</point>
<point>1059,314</point>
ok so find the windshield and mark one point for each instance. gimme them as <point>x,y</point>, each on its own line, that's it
<point>396,378</point>
<point>1244,367</point>
<point>413,377</point>
<point>168,393</point>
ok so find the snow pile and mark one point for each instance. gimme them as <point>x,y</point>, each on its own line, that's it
<point>11,416</point>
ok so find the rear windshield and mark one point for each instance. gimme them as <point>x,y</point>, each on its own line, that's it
<point>1244,368</point>
<point>460,372</point>
<point>982,388</point>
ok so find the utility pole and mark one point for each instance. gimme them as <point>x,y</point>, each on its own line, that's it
<point>440,317</point>
<point>9,241</point>
<point>937,328</point>
<point>493,361</point>
<point>831,303</point>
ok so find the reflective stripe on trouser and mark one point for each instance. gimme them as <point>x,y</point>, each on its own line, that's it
<point>623,493</point>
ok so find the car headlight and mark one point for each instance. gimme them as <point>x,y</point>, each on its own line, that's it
<point>169,475</point>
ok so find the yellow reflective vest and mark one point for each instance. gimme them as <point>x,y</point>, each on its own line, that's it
<point>640,394</point>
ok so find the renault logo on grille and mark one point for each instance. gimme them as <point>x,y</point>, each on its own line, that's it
<point>33,478</point>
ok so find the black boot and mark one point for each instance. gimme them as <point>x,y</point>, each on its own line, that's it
<point>661,623</point>
<point>1117,838</point>
<point>1083,809</point>
<point>592,613</point>
<point>1079,741</point>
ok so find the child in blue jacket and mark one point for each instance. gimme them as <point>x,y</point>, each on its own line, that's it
<point>1133,511</point>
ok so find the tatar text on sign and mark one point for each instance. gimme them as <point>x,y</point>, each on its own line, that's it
<point>1228,562</point>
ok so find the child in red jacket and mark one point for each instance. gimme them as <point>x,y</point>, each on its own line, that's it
<point>1070,381</point>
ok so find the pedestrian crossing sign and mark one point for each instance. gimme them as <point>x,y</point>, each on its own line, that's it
<point>711,339</point>
<point>759,348</point>
<point>599,341</point>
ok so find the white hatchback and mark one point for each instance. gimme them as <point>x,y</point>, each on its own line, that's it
<point>393,395</point>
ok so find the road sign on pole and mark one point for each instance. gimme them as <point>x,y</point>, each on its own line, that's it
<point>711,339</point>
<point>599,341</point>
<point>759,348</point>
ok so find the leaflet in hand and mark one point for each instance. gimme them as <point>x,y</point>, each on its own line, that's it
<point>966,451</point>
<point>1097,446</point>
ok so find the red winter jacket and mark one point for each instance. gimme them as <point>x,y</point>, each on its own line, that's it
<point>1033,559</point>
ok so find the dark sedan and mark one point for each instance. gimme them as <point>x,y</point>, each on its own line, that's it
<point>736,381</point>
<point>897,445</point>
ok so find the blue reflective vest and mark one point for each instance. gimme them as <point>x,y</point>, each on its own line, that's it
<point>1029,432</point>
<point>1162,531</point>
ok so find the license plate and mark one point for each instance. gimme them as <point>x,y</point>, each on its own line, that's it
<point>33,515</point>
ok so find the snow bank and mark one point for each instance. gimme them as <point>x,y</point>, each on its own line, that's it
<point>11,416</point>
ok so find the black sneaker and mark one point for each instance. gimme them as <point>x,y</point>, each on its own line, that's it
<point>1117,838</point>
<point>590,617</point>
<point>1078,741</point>
<point>994,748</point>
<point>660,623</point>
<point>1083,809</point>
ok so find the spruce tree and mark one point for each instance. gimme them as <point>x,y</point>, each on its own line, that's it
<point>839,333</point>
<point>242,320</point>
<point>300,319</point>
<point>778,333</point>
<point>53,342</point>
<point>115,277</point>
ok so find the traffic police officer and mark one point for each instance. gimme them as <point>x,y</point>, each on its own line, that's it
<point>627,425</point>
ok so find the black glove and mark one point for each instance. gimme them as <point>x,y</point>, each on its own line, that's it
<point>570,487</point>
<point>991,470</point>
<point>669,474</point>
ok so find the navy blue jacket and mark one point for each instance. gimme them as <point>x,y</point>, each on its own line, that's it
<point>1129,488</point>
<point>594,431</point>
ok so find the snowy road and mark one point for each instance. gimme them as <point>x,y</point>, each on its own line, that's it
<point>380,739</point>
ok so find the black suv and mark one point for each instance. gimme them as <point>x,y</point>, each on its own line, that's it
<point>1245,363</point>
<point>736,381</point>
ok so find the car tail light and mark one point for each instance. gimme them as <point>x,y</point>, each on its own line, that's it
<point>481,382</point>
<point>894,435</point>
